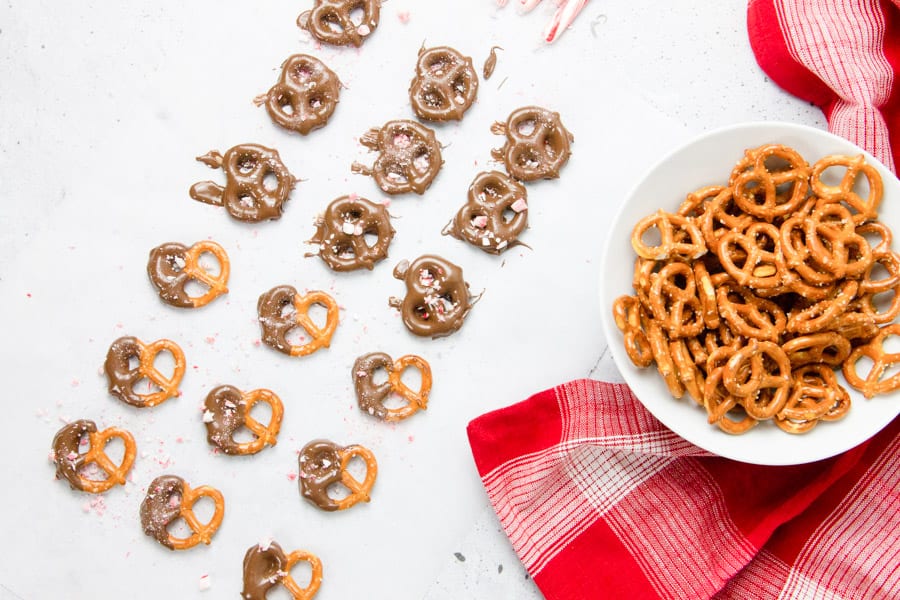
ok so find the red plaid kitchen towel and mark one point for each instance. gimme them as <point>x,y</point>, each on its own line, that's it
<point>600,500</point>
<point>843,56</point>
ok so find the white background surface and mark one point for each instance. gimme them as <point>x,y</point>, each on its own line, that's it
<point>105,105</point>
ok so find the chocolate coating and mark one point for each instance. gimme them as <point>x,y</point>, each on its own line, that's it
<point>490,63</point>
<point>121,378</point>
<point>245,195</point>
<point>305,96</point>
<point>445,85</point>
<point>161,506</point>
<point>320,467</point>
<point>229,413</point>
<point>330,21</point>
<point>369,395</point>
<point>437,297</point>
<point>67,452</point>
<point>409,157</point>
<point>263,570</point>
<point>537,144</point>
<point>341,230</point>
<point>481,221</point>
<point>273,325</point>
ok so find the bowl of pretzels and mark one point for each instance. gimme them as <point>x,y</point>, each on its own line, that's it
<point>751,293</point>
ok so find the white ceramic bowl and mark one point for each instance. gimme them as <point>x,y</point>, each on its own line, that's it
<point>708,160</point>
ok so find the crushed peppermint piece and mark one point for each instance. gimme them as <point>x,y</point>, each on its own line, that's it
<point>266,543</point>
<point>348,228</point>
<point>480,221</point>
<point>363,30</point>
<point>502,245</point>
<point>205,582</point>
<point>519,205</point>
<point>485,241</point>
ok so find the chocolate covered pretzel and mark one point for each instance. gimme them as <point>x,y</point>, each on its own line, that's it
<point>282,309</point>
<point>304,97</point>
<point>342,229</point>
<point>246,196</point>
<point>266,566</point>
<point>169,498</point>
<point>331,22</point>
<point>494,215</point>
<point>409,157</point>
<point>371,396</point>
<point>122,377</point>
<point>537,144</point>
<point>173,265</point>
<point>437,297</point>
<point>445,85</point>
<point>227,409</point>
<point>324,464</point>
<point>70,457</point>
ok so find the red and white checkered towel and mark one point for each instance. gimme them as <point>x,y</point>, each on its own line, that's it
<point>843,56</point>
<point>600,500</point>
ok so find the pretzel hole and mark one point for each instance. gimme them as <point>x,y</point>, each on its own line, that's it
<point>145,386</point>
<point>315,102</point>
<point>357,15</point>
<point>204,508</point>
<point>344,251</point>
<point>411,378</point>
<point>526,127</point>
<point>302,73</point>
<point>332,23</point>
<point>379,377</point>
<point>528,158</point>
<point>651,237</point>
<point>133,362</point>
<point>243,435</point>
<point>395,173</point>
<point>296,336</point>
<point>337,491</point>
<point>195,288</point>
<point>270,181</point>
<point>891,344</point>
<point>178,528</point>
<point>434,99</point>
<point>508,215</point>
<point>246,163</point>
<point>261,412</point>
<point>883,302</point>
<point>209,263</point>
<point>438,63</point>
<point>460,85</point>
<point>401,140</point>
<point>370,238</point>
<point>302,575</point>
<point>287,107</point>
<point>115,450</point>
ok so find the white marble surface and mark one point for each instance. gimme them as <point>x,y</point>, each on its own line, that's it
<point>104,107</point>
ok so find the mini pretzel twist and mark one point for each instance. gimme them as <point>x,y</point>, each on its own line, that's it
<point>227,409</point>
<point>267,567</point>
<point>827,347</point>
<point>246,196</point>
<point>834,244</point>
<point>874,382</point>
<point>749,315</point>
<point>753,258</point>
<point>331,21</point>
<point>680,238</point>
<point>305,95</point>
<point>173,265</point>
<point>674,302</point>
<point>815,395</point>
<point>537,144</point>
<point>70,459</point>
<point>482,221</point>
<point>169,498</point>
<point>409,157</point>
<point>275,326</point>
<point>766,170</point>
<point>122,378</point>
<point>760,375</point>
<point>866,209</point>
<point>323,463</point>
<point>628,315</point>
<point>445,84</point>
<point>341,233</point>
<point>371,397</point>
